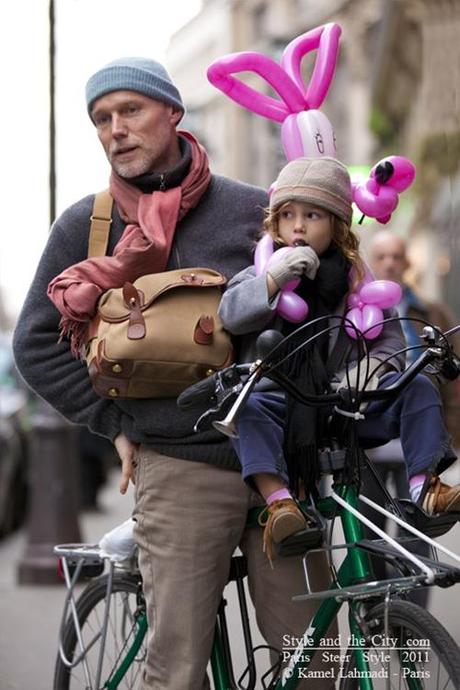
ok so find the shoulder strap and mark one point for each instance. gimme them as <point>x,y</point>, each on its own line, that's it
<point>101,220</point>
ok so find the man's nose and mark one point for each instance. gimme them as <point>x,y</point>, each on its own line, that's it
<point>118,126</point>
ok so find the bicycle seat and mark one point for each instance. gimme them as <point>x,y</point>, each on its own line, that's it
<point>431,525</point>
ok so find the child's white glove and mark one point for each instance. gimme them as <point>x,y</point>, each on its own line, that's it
<point>366,380</point>
<point>300,261</point>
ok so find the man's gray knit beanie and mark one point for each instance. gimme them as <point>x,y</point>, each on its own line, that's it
<point>323,181</point>
<point>133,74</point>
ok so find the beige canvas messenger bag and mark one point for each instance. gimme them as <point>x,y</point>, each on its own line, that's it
<point>154,337</point>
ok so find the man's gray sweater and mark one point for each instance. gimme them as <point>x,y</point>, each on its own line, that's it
<point>219,234</point>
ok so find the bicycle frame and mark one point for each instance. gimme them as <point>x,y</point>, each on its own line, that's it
<point>355,568</point>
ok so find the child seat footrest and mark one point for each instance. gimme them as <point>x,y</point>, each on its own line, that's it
<point>310,538</point>
<point>431,525</point>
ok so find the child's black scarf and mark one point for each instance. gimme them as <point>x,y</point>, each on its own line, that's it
<point>307,368</point>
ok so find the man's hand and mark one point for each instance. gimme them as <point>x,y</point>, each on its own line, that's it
<point>126,450</point>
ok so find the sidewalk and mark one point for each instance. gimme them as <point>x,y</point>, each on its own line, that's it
<point>30,615</point>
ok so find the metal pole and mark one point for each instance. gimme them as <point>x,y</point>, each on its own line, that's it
<point>52,120</point>
<point>53,456</point>
<point>54,496</point>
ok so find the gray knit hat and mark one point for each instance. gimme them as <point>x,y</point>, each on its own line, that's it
<point>322,181</point>
<point>133,74</point>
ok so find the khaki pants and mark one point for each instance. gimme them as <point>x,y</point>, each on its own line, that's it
<point>190,518</point>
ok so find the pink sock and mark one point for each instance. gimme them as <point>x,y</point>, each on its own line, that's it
<point>278,495</point>
<point>415,486</point>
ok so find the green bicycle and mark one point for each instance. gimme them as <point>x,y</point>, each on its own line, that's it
<point>390,642</point>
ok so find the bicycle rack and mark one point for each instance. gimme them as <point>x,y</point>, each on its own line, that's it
<point>78,560</point>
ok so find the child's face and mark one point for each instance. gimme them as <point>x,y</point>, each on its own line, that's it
<point>298,220</point>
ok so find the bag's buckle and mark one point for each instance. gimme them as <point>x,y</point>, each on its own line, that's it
<point>192,279</point>
<point>103,219</point>
<point>136,323</point>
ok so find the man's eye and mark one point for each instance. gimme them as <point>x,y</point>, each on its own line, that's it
<point>101,120</point>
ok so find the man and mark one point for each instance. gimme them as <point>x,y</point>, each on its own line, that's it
<point>388,260</point>
<point>191,504</point>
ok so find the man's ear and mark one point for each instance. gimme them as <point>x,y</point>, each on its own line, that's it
<point>176,116</point>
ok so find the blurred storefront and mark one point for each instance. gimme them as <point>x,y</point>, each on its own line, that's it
<point>416,111</point>
<point>396,90</point>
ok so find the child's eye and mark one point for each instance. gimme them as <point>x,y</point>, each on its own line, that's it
<point>286,214</point>
<point>314,215</point>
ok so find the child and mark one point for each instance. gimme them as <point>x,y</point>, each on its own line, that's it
<point>311,204</point>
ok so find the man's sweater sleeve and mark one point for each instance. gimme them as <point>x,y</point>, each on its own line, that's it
<point>46,366</point>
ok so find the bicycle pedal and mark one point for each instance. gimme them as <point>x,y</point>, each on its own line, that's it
<point>298,543</point>
<point>431,525</point>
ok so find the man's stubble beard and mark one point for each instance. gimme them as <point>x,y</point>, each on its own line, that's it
<point>132,169</point>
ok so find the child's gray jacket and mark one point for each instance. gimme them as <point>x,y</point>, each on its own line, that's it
<point>246,310</point>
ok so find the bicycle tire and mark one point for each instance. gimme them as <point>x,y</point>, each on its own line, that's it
<point>431,665</point>
<point>125,605</point>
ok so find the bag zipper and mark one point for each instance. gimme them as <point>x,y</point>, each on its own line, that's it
<point>177,255</point>
<point>176,249</point>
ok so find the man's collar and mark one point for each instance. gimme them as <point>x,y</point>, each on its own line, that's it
<point>411,299</point>
<point>151,182</point>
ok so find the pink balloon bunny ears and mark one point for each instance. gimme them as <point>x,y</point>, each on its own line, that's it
<point>285,78</point>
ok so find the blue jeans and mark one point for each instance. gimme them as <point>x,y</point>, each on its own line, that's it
<point>415,417</point>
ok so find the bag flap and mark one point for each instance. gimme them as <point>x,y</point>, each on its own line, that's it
<point>112,306</point>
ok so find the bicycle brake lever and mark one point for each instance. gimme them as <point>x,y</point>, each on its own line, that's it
<point>446,368</point>
<point>227,387</point>
<point>449,369</point>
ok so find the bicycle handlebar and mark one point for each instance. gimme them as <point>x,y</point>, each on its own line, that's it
<point>227,384</point>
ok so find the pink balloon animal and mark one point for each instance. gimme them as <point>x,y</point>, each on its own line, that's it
<point>367,303</point>
<point>305,130</point>
<point>290,305</point>
<point>378,196</point>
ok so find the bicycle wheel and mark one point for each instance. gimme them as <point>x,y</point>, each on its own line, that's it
<point>416,653</point>
<point>124,650</point>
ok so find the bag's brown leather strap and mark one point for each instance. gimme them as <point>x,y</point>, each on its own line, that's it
<point>101,220</point>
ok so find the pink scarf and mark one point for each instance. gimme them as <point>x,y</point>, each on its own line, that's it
<point>143,248</point>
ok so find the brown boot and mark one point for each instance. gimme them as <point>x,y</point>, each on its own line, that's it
<point>441,498</point>
<point>284,518</point>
